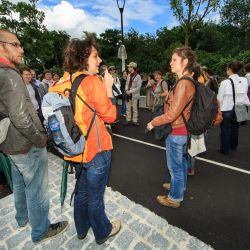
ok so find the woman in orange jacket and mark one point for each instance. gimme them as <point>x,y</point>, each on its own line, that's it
<point>92,166</point>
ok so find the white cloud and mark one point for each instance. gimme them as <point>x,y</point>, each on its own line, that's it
<point>74,20</point>
<point>98,15</point>
<point>76,16</point>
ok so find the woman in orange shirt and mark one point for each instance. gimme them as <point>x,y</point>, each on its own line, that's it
<point>92,166</point>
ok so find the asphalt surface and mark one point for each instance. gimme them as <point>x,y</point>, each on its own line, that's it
<point>216,204</point>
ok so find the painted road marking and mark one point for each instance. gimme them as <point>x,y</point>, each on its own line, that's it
<point>198,158</point>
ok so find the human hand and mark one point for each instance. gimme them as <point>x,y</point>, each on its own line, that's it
<point>108,81</point>
<point>127,92</point>
<point>150,126</point>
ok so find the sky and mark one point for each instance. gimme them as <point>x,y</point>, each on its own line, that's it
<point>76,16</point>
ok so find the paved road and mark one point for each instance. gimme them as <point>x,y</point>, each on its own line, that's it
<point>141,228</point>
<point>215,210</point>
<point>216,206</point>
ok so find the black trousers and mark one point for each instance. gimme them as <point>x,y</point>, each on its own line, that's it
<point>229,132</point>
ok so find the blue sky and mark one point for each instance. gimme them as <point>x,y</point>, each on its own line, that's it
<point>75,16</point>
<point>142,15</point>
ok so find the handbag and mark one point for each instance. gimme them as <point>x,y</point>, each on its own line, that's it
<point>240,111</point>
<point>4,126</point>
<point>161,132</point>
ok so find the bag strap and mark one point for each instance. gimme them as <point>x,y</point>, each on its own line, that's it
<point>73,93</point>
<point>193,81</point>
<point>232,83</point>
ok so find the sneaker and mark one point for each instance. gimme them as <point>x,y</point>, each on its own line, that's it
<point>190,171</point>
<point>116,226</point>
<point>82,236</point>
<point>24,224</point>
<point>54,230</point>
<point>126,123</point>
<point>136,124</point>
<point>165,201</point>
<point>166,186</point>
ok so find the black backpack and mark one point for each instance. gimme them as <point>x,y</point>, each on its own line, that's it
<point>203,111</point>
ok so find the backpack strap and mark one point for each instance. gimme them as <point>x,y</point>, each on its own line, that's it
<point>232,83</point>
<point>73,93</point>
<point>182,114</point>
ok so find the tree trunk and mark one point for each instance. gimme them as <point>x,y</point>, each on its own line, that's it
<point>187,36</point>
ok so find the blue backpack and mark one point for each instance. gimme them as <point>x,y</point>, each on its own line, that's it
<point>58,112</point>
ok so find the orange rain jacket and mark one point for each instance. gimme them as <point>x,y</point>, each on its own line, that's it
<point>93,91</point>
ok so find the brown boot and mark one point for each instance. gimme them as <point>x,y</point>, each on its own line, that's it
<point>166,186</point>
<point>165,201</point>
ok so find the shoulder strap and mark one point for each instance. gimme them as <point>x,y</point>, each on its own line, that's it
<point>232,83</point>
<point>162,90</point>
<point>134,77</point>
<point>182,114</point>
<point>73,93</point>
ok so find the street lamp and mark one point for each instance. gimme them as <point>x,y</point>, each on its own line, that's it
<point>120,5</point>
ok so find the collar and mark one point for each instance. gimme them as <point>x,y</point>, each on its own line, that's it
<point>5,61</point>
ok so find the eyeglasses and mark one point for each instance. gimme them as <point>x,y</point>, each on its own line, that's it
<point>14,44</point>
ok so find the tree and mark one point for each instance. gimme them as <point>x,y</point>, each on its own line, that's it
<point>235,16</point>
<point>191,13</point>
<point>33,34</point>
<point>236,13</point>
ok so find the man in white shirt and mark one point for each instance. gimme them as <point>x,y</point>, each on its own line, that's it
<point>229,126</point>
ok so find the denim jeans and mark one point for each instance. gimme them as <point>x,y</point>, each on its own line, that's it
<point>123,107</point>
<point>229,132</point>
<point>177,161</point>
<point>89,209</point>
<point>30,185</point>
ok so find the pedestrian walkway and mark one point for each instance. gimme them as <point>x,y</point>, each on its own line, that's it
<point>141,228</point>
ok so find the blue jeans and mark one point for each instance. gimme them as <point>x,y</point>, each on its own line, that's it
<point>123,108</point>
<point>177,161</point>
<point>30,185</point>
<point>89,209</point>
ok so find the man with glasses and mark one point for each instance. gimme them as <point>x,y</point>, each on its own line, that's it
<point>132,91</point>
<point>25,145</point>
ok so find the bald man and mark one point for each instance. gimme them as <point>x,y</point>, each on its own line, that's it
<point>25,145</point>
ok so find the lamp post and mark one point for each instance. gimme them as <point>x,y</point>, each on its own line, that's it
<point>120,5</point>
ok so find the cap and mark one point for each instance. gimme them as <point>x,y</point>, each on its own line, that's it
<point>111,67</point>
<point>132,64</point>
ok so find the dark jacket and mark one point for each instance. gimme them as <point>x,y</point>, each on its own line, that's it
<point>25,129</point>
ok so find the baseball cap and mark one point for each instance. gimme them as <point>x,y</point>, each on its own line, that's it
<point>111,67</point>
<point>132,64</point>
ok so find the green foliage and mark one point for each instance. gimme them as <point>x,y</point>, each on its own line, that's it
<point>191,13</point>
<point>42,48</point>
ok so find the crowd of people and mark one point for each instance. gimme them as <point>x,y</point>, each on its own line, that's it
<point>26,139</point>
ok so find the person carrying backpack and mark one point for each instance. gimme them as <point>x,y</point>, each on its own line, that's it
<point>92,165</point>
<point>182,64</point>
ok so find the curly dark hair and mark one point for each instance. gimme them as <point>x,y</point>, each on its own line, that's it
<point>77,53</point>
<point>187,53</point>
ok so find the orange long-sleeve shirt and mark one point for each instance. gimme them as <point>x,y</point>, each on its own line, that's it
<point>93,91</point>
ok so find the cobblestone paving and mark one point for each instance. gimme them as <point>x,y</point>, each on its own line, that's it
<point>141,228</point>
